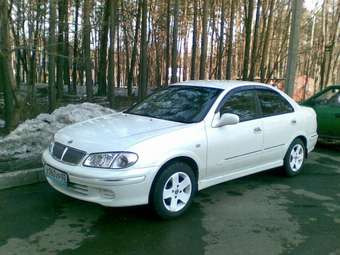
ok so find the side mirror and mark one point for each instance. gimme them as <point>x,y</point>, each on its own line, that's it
<point>225,119</point>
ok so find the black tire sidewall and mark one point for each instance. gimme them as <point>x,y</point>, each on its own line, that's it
<point>157,190</point>
<point>287,168</point>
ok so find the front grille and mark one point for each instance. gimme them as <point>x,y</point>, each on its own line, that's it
<point>73,156</point>
<point>58,150</point>
<point>67,154</point>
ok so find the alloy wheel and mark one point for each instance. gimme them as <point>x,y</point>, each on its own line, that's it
<point>296,158</point>
<point>177,191</point>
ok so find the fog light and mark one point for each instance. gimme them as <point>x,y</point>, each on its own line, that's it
<point>105,193</point>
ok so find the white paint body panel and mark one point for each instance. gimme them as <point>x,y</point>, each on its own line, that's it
<point>221,154</point>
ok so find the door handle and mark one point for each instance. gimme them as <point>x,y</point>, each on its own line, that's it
<point>257,130</point>
<point>293,121</point>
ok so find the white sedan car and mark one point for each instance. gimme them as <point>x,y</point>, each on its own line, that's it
<point>181,139</point>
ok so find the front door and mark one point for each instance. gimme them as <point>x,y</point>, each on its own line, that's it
<point>234,148</point>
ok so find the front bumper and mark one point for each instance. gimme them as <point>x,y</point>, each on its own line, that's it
<point>107,187</point>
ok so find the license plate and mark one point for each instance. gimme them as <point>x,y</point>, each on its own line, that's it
<point>56,175</point>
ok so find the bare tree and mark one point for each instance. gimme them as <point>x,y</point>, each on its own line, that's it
<point>194,43</point>
<point>221,41</point>
<point>134,49</point>
<point>143,68</point>
<point>293,46</point>
<point>230,40</point>
<point>6,74</point>
<point>174,44</point>
<point>248,27</point>
<point>111,81</point>
<point>52,50</point>
<point>103,49</point>
<point>204,40</point>
<point>75,48</point>
<point>87,60</point>
<point>255,41</point>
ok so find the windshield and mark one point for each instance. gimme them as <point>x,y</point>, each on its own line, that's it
<point>187,104</point>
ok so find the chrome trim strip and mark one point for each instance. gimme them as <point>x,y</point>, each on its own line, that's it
<point>106,182</point>
<point>272,147</point>
<point>64,152</point>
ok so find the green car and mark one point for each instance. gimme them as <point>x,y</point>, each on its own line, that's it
<point>327,107</point>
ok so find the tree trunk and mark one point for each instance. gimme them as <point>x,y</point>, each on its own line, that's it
<point>118,50</point>
<point>111,71</point>
<point>174,44</point>
<point>87,60</point>
<point>220,45</point>
<point>204,41</point>
<point>103,49</point>
<point>167,50</point>
<point>185,57</point>
<point>66,66</point>
<point>52,40</point>
<point>212,37</point>
<point>61,48</point>
<point>254,50</point>
<point>75,48</point>
<point>293,46</point>
<point>230,40</point>
<point>143,65</point>
<point>331,45</point>
<point>194,44</point>
<point>265,42</point>
<point>32,58</point>
<point>127,52</point>
<point>6,73</point>
<point>248,28</point>
<point>134,50</point>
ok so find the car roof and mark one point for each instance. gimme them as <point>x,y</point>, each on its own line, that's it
<point>335,86</point>
<point>219,84</point>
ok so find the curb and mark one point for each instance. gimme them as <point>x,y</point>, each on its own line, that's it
<point>21,178</point>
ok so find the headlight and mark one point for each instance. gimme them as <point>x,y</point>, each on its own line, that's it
<point>114,160</point>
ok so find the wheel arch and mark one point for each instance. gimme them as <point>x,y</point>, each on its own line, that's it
<point>303,138</point>
<point>185,159</point>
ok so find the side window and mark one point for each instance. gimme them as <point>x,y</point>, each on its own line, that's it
<point>243,104</point>
<point>335,99</point>
<point>273,103</point>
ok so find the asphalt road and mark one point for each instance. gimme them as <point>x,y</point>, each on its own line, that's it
<point>265,213</point>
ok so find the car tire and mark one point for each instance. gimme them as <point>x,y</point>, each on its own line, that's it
<point>295,158</point>
<point>173,190</point>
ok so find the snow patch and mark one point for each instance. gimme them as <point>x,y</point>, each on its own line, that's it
<point>32,137</point>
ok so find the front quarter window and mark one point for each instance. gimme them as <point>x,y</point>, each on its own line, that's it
<point>186,104</point>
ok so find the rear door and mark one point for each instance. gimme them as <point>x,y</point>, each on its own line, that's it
<point>279,124</point>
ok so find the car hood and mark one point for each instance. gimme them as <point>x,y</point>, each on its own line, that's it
<point>114,132</point>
